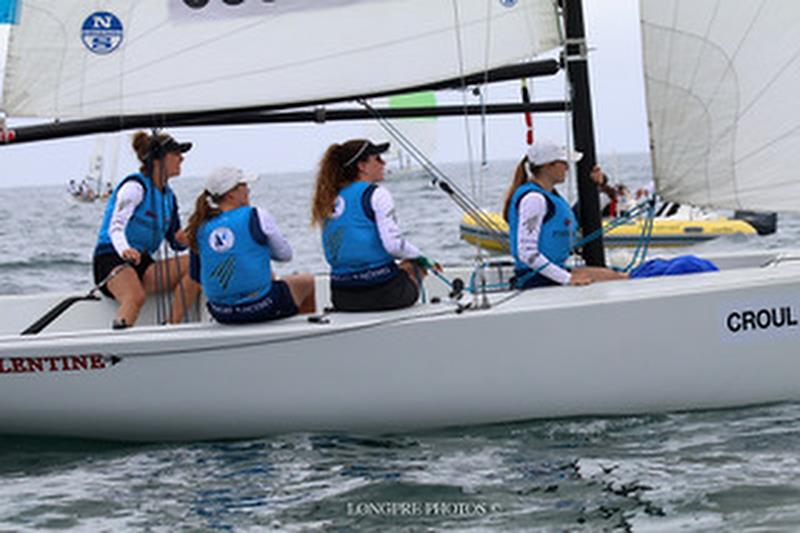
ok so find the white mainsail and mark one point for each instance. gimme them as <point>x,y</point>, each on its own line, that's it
<point>722,79</point>
<point>81,59</point>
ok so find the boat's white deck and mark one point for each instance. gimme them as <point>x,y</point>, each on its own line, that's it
<point>92,318</point>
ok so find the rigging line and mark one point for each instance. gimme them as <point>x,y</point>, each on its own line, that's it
<point>443,182</point>
<point>158,267</point>
<point>440,179</point>
<point>462,76</point>
<point>160,279</point>
<point>181,290</point>
<point>484,156</point>
<point>571,181</point>
<point>165,254</point>
<point>171,295</point>
<point>487,47</point>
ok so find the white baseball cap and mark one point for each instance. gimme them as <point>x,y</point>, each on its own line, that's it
<point>544,152</point>
<point>224,179</point>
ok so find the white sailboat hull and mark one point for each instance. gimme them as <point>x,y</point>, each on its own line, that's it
<point>637,346</point>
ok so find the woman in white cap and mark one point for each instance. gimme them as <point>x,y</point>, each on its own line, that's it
<point>542,225</point>
<point>140,214</point>
<point>360,234</point>
<point>235,245</point>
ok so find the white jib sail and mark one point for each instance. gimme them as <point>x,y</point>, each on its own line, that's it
<point>722,82</point>
<point>90,58</point>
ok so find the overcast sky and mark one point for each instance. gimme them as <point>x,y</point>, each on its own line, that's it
<point>618,101</point>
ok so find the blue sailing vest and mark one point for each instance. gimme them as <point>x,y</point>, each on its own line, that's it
<point>234,258</point>
<point>351,241</point>
<point>557,233</point>
<point>155,218</point>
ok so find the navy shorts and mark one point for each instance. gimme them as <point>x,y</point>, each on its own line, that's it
<point>278,303</point>
<point>103,264</point>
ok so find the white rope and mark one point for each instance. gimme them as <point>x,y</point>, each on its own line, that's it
<point>468,136</point>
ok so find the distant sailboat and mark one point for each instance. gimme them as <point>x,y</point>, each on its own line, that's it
<point>98,183</point>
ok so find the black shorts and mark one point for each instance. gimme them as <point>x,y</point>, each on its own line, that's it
<point>103,265</point>
<point>277,303</point>
<point>396,293</point>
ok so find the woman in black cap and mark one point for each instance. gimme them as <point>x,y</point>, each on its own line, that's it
<point>140,214</point>
<point>360,234</point>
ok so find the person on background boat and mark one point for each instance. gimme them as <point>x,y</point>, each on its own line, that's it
<point>86,192</point>
<point>606,192</point>
<point>140,214</point>
<point>73,189</point>
<point>615,200</point>
<point>542,225</point>
<point>360,234</point>
<point>234,245</point>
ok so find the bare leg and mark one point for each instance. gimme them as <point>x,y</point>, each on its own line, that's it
<point>174,266</point>
<point>186,293</point>
<point>129,292</point>
<point>302,288</point>
<point>185,289</point>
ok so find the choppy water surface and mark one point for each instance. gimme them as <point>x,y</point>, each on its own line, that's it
<point>732,470</point>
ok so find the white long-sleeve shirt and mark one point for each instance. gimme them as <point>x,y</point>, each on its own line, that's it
<point>388,229</point>
<point>279,248</point>
<point>532,210</point>
<point>129,196</point>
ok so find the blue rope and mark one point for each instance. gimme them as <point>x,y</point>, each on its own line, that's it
<point>648,206</point>
<point>644,240</point>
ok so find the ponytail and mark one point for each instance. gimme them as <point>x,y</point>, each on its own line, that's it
<point>520,177</point>
<point>205,208</point>
<point>332,177</point>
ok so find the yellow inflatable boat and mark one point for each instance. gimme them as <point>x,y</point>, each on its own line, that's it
<point>666,231</point>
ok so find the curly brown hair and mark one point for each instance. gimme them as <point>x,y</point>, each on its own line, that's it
<point>333,176</point>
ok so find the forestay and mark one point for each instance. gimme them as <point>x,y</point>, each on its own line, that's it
<point>722,82</point>
<point>79,59</point>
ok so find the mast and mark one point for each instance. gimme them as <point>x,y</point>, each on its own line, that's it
<point>583,129</point>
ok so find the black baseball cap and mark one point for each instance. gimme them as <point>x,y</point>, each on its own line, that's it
<point>367,149</point>
<point>169,144</point>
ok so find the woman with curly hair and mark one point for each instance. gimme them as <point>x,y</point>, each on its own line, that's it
<point>360,234</point>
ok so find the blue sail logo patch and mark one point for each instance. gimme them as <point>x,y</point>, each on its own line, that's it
<point>102,32</point>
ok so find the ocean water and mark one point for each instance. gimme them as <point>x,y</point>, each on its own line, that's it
<point>729,470</point>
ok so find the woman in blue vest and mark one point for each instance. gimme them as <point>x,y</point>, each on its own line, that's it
<point>542,226</point>
<point>235,245</point>
<point>140,214</point>
<point>360,234</point>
